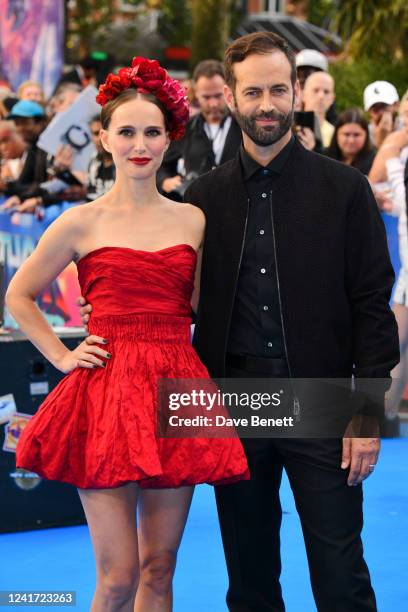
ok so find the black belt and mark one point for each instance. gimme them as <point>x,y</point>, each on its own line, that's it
<point>262,365</point>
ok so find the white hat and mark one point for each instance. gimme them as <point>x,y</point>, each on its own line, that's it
<point>312,58</point>
<point>381,92</point>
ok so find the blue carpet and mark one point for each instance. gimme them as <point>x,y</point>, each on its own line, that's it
<point>62,559</point>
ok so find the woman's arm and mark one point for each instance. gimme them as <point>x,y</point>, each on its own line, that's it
<point>395,174</point>
<point>53,253</point>
<point>390,148</point>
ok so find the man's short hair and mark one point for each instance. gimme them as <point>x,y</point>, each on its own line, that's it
<point>209,69</point>
<point>257,43</point>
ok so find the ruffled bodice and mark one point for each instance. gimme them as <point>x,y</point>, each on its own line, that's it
<point>118,280</point>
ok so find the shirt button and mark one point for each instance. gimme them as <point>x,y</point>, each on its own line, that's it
<point>265,307</point>
<point>263,270</point>
<point>270,344</point>
<point>265,171</point>
<point>262,232</point>
<point>264,195</point>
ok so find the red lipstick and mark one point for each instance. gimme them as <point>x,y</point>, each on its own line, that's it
<point>139,161</point>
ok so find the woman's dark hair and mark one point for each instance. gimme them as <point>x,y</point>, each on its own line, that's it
<point>125,96</point>
<point>351,115</point>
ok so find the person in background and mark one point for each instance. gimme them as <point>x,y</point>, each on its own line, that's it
<point>194,107</point>
<point>30,120</point>
<point>12,152</point>
<point>84,73</point>
<point>212,136</point>
<point>318,96</point>
<point>7,101</point>
<point>309,61</point>
<point>5,92</point>
<point>101,170</point>
<point>351,142</point>
<point>391,166</point>
<point>380,102</point>
<point>31,90</point>
<point>65,95</point>
<point>31,190</point>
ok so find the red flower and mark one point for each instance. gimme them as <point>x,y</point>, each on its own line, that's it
<point>125,75</point>
<point>149,77</point>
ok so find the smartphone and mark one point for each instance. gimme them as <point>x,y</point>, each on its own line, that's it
<point>305,119</point>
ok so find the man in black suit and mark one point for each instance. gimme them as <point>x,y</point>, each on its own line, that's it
<point>212,136</point>
<point>296,281</point>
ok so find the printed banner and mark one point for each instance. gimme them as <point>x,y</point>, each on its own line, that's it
<point>13,431</point>
<point>31,41</point>
<point>19,235</point>
<point>72,128</point>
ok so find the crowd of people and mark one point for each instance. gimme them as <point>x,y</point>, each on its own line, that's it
<point>27,170</point>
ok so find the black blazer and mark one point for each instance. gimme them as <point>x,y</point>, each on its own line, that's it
<point>196,150</point>
<point>334,270</point>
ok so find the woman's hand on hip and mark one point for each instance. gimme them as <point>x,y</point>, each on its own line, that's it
<point>86,355</point>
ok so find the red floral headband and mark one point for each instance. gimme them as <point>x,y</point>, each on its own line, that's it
<point>147,76</point>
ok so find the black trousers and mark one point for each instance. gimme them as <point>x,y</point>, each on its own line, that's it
<point>330,512</point>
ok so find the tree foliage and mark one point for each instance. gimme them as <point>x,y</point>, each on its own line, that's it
<point>352,77</point>
<point>374,28</point>
<point>321,12</point>
<point>210,29</point>
<point>91,15</point>
<point>175,22</point>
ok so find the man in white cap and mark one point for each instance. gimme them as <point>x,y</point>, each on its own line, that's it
<point>318,97</point>
<point>380,101</point>
<point>309,61</point>
<point>312,63</point>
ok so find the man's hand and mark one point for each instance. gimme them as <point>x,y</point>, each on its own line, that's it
<point>384,127</point>
<point>306,137</point>
<point>169,184</point>
<point>360,454</point>
<point>84,311</point>
<point>63,158</point>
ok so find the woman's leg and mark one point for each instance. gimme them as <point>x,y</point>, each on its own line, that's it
<point>393,396</point>
<point>111,516</point>
<point>162,517</point>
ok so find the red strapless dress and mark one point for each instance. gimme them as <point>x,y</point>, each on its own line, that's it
<point>97,428</point>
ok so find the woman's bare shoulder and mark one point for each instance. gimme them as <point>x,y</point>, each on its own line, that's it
<point>191,213</point>
<point>81,216</point>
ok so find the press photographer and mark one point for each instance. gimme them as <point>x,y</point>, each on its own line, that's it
<point>212,136</point>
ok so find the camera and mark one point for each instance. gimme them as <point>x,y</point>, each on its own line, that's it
<point>178,194</point>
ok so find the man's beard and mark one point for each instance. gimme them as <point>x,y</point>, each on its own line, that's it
<point>218,114</point>
<point>267,135</point>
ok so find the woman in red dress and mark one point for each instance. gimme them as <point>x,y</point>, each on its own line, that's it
<point>97,428</point>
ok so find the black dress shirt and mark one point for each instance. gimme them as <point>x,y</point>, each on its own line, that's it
<point>256,327</point>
